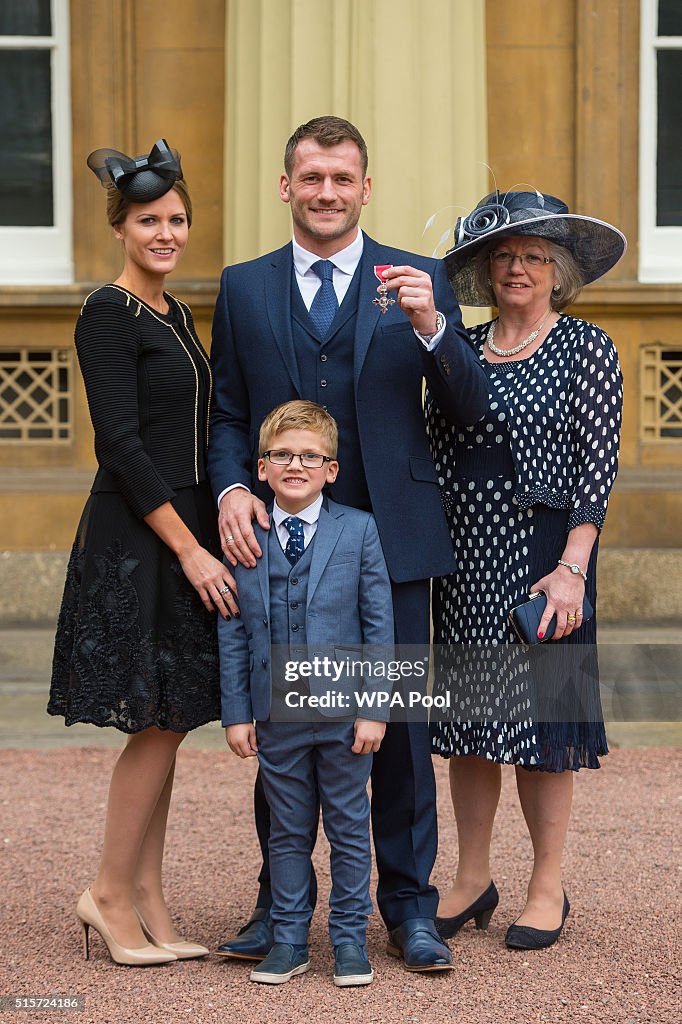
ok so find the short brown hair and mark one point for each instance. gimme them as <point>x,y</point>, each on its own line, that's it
<point>568,275</point>
<point>327,131</point>
<point>299,415</point>
<point>118,206</point>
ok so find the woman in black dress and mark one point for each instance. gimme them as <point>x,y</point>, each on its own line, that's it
<point>526,491</point>
<point>136,645</point>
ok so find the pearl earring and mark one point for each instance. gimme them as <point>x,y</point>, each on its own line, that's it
<point>556,288</point>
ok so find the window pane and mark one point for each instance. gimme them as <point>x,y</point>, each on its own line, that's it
<point>669,18</point>
<point>669,141</point>
<point>26,133</point>
<point>25,18</point>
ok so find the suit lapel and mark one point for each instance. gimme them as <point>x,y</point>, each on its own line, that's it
<point>263,563</point>
<point>368,314</point>
<point>278,278</point>
<point>329,529</point>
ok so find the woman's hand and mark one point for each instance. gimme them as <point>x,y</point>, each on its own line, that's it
<point>565,592</point>
<point>210,578</point>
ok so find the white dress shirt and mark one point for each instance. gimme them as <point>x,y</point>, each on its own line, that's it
<point>345,264</point>
<point>308,517</point>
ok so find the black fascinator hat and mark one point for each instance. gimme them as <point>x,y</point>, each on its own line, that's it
<point>595,245</point>
<point>140,178</point>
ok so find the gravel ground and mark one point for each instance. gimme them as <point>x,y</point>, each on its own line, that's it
<point>617,960</point>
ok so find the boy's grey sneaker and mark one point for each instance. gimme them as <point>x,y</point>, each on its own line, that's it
<point>281,964</point>
<point>351,966</point>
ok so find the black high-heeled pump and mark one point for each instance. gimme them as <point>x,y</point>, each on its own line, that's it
<point>481,910</point>
<point>520,936</point>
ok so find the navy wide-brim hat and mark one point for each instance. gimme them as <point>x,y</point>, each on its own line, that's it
<point>595,245</point>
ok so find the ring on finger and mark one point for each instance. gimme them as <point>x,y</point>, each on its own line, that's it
<point>229,538</point>
<point>224,590</point>
<point>570,618</point>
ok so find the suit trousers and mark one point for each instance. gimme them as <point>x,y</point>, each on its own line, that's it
<point>304,765</point>
<point>404,823</point>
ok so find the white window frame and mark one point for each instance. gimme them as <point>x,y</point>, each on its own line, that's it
<point>44,255</point>
<point>660,248</point>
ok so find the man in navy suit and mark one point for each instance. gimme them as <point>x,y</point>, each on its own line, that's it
<point>302,322</point>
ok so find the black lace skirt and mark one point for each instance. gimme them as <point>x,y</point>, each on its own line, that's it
<point>135,646</point>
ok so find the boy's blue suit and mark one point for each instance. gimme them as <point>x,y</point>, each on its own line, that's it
<point>342,596</point>
<point>348,602</point>
<point>261,357</point>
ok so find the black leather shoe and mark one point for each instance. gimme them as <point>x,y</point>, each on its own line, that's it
<point>420,946</point>
<point>481,910</point>
<point>252,942</point>
<point>519,936</point>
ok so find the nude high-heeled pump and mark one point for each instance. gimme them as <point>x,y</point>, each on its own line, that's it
<point>183,949</point>
<point>90,917</point>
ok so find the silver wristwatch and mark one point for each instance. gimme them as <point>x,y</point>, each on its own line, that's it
<point>575,568</point>
<point>440,324</point>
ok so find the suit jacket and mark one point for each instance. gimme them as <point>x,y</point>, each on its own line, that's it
<point>255,368</point>
<point>349,605</point>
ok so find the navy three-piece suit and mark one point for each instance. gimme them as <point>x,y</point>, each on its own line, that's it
<point>369,373</point>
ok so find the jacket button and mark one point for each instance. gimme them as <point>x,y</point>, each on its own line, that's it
<point>294,581</point>
<point>323,383</point>
<point>265,622</point>
<point>263,662</point>
<point>323,358</point>
<point>294,605</point>
<point>294,628</point>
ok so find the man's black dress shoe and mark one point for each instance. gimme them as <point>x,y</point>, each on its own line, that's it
<point>420,946</point>
<point>519,936</point>
<point>481,910</point>
<point>252,942</point>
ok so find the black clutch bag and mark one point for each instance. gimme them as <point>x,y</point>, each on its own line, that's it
<point>525,618</point>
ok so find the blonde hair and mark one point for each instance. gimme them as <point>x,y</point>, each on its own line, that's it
<point>118,206</point>
<point>299,415</point>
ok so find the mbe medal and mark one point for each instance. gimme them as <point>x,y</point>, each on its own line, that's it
<point>383,301</point>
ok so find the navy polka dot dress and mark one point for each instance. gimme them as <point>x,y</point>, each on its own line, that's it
<point>541,462</point>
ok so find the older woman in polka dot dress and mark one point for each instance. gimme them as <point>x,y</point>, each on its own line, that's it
<point>526,491</point>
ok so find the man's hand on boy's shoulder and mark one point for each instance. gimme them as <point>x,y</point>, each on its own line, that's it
<point>368,736</point>
<point>238,509</point>
<point>241,739</point>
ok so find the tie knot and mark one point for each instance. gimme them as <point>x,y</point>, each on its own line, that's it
<point>324,270</point>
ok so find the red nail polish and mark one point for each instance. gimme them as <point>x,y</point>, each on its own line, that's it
<point>540,636</point>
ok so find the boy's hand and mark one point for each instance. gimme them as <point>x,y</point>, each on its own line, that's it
<point>241,739</point>
<point>368,736</point>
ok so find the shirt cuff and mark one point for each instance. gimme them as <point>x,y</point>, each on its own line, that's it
<point>231,488</point>
<point>430,343</point>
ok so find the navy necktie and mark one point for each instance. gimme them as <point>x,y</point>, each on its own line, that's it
<point>296,544</point>
<point>325,303</point>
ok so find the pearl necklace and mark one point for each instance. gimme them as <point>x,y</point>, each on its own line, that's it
<point>517,348</point>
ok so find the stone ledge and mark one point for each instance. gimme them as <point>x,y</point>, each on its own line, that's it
<point>634,585</point>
